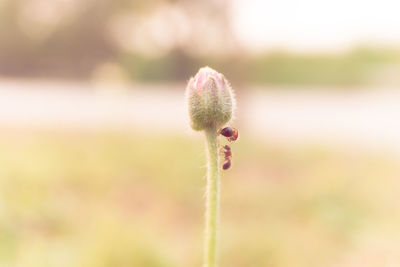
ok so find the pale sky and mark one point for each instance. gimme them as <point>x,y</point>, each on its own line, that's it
<point>316,25</point>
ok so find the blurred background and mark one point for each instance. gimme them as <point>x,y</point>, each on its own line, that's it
<point>98,166</point>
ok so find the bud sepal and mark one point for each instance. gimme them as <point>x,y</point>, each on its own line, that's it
<point>210,100</point>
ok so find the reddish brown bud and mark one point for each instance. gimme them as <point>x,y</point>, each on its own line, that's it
<point>226,165</point>
<point>234,136</point>
<point>228,154</point>
<point>227,132</point>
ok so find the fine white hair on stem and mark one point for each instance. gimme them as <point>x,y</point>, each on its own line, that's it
<point>211,104</point>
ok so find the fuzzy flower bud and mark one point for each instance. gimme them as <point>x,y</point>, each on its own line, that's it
<point>210,99</point>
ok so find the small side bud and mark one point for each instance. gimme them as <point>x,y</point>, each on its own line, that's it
<point>227,132</point>
<point>210,99</point>
<point>226,165</point>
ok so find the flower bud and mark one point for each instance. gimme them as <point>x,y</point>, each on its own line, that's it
<point>210,99</point>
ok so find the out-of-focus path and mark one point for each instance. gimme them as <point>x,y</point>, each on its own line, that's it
<point>77,105</point>
<point>369,117</point>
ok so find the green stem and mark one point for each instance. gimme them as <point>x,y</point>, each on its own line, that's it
<point>212,201</point>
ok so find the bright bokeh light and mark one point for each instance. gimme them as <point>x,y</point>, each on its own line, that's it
<point>316,25</point>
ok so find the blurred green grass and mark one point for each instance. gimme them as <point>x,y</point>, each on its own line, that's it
<point>361,66</point>
<point>129,199</point>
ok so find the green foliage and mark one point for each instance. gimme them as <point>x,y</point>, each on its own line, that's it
<point>126,199</point>
<point>345,69</point>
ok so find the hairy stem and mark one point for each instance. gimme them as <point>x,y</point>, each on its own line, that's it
<point>212,199</point>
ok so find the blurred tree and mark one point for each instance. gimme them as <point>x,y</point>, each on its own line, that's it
<point>73,42</point>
